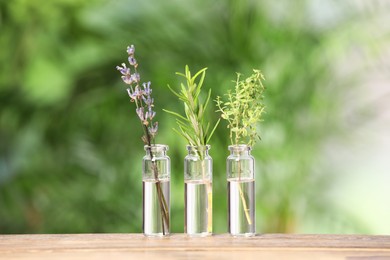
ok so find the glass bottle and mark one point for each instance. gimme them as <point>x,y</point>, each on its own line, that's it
<point>240,166</point>
<point>156,171</point>
<point>198,168</point>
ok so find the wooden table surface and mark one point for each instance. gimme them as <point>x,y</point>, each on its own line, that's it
<point>179,246</point>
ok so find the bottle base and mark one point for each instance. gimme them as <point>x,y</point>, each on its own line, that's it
<point>156,235</point>
<point>203,234</point>
<point>243,234</point>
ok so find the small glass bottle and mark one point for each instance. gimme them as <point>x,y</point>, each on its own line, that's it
<point>198,168</point>
<point>240,166</point>
<point>156,171</point>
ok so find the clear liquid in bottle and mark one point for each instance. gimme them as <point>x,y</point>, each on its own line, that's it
<point>198,208</point>
<point>241,201</point>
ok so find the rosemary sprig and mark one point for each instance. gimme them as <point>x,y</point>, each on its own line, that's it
<point>192,125</point>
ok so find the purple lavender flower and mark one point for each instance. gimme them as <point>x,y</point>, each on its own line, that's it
<point>130,50</point>
<point>132,61</point>
<point>135,77</point>
<point>131,94</point>
<point>127,79</point>
<point>148,100</point>
<point>135,94</point>
<point>140,113</point>
<point>147,89</point>
<point>138,92</point>
<point>153,129</point>
<point>124,70</point>
<point>150,114</point>
<point>141,96</point>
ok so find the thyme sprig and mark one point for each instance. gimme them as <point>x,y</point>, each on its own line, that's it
<point>244,108</point>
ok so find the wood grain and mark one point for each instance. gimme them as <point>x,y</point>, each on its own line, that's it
<point>179,246</point>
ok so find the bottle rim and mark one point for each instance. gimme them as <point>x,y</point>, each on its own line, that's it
<point>239,147</point>
<point>198,147</point>
<point>155,147</point>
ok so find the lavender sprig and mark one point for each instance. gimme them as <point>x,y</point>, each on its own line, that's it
<point>142,97</point>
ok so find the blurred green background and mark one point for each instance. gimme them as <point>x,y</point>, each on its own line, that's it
<point>70,147</point>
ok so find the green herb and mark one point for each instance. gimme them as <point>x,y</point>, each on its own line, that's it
<point>244,108</point>
<point>192,125</point>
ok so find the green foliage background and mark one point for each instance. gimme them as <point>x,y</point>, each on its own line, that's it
<point>70,147</point>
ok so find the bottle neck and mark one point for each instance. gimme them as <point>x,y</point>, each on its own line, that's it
<point>198,150</point>
<point>156,150</point>
<point>240,150</point>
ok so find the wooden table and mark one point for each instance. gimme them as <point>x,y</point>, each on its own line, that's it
<point>178,246</point>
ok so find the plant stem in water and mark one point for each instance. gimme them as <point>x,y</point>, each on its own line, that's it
<point>161,199</point>
<point>209,199</point>
<point>244,203</point>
